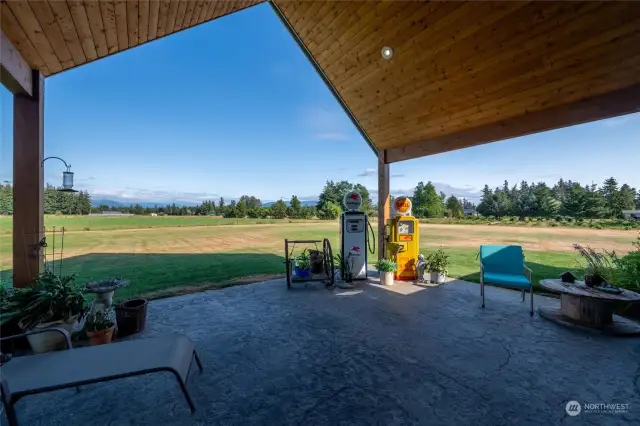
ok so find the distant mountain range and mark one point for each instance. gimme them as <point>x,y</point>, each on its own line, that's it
<point>468,193</point>
<point>95,202</point>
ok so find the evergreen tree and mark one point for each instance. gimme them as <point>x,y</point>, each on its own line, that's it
<point>627,197</point>
<point>241,209</point>
<point>454,207</point>
<point>296,208</point>
<point>279,210</point>
<point>487,203</point>
<point>434,206</point>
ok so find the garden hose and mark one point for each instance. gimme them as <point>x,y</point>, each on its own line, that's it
<point>373,237</point>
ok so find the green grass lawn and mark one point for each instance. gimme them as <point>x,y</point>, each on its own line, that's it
<point>164,256</point>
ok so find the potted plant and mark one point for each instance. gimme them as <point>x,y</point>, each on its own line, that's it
<point>100,325</point>
<point>345,270</point>
<point>302,265</point>
<point>386,268</point>
<point>598,267</point>
<point>53,302</point>
<point>437,264</point>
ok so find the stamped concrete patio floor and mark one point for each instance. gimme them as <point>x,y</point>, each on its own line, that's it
<point>370,356</point>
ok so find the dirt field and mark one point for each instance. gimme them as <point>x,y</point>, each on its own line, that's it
<point>537,239</point>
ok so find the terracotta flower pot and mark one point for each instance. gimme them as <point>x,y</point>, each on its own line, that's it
<point>100,337</point>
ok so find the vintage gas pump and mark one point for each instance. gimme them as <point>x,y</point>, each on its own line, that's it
<point>403,242</point>
<point>356,238</point>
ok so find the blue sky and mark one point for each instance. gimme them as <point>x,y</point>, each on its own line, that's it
<point>232,107</point>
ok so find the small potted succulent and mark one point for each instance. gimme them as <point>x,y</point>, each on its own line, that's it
<point>302,265</point>
<point>437,265</point>
<point>99,326</point>
<point>386,267</point>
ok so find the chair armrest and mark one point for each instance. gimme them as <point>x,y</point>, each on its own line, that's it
<point>62,331</point>
<point>527,273</point>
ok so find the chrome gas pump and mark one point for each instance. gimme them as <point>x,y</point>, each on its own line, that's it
<point>356,239</point>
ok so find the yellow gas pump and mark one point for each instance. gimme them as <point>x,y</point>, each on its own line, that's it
<point>403,240</point>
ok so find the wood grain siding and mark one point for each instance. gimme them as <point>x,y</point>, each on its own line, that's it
<point>32,28</point>
<point>463,66</point>
<point>457,67</point>
<point>55,35</point>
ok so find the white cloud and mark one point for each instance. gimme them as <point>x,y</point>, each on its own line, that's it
<point>338,137</point>
<point>146,195</point>
<point>327,124</point>
<point>368,172</point>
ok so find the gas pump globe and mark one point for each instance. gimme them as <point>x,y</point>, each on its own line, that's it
<point>402,234</point>
<point>356,239</point>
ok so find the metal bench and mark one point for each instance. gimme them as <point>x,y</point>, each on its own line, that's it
<point>34,374</point>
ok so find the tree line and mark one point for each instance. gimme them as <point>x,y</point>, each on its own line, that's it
<point>55,202</point>
<point>246,206</point>
<point>565,198</point>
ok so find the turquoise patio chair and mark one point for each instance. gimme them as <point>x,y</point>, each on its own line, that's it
<point>504,266</point>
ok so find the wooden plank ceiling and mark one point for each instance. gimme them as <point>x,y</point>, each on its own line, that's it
<point>469,73</point>
<point>56,35</point>
<point>462,74</point>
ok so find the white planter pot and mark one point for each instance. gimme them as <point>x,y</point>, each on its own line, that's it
<point>386,278</point>
<point>47,342</point>
<point>437,277</point>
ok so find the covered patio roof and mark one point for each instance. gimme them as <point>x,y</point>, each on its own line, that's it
<point>462,73</point>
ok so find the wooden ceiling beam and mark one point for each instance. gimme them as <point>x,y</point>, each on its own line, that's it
<point>15,72</point>
<point>608,105</point>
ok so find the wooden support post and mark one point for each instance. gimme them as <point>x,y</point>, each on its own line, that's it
<point>28,183</point>
<point>384,211</point>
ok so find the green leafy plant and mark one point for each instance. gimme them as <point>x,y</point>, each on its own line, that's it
<point>628,272</point>
<point>597,264</point>
<point>438,261</point>
<point>53,298</point>
<point>100,320</point>
<point>6,294</point>
<point>303,261</point>
<point>386,265</point>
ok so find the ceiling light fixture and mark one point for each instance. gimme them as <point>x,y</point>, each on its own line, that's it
<point>387,52</point>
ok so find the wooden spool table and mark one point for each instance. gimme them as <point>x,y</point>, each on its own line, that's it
<point>589,308</point>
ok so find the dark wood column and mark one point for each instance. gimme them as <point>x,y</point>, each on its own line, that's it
<point>28,182</point>
<point>384,210</point>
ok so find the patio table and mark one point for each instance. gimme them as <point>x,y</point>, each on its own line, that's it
<point>588,307</point>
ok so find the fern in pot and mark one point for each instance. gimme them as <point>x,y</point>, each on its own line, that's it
<point>438,264</point>
<point>387,268</point>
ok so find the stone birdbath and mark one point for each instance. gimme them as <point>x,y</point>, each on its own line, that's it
<point>103,291</point>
